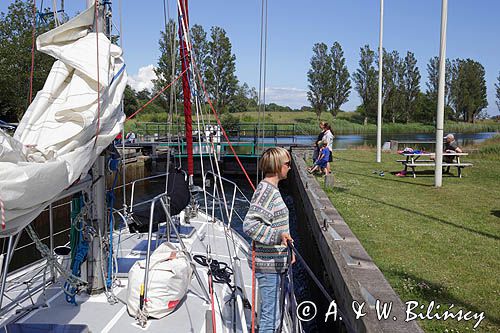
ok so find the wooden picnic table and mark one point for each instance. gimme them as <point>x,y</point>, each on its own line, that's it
<point>413,160</point>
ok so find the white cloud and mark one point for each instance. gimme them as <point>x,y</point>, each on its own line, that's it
<point>292,97</point>
<point>143,79</point>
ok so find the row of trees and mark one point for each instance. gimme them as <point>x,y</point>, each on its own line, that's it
<point>402,98</point>
<point>15,60</point>
<point>215,65</point>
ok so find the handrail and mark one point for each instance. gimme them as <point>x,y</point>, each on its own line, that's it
<point>132,191</point>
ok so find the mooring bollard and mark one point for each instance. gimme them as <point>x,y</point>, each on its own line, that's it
<point>329,181</point>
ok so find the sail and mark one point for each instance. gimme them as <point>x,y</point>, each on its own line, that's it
<point>66,127</point>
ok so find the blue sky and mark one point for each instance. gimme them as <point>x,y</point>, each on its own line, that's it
<point>295,26</point>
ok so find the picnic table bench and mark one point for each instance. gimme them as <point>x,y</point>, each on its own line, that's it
<point>413,161</point>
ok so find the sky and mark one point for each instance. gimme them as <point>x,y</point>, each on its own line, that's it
<point>295,26</point>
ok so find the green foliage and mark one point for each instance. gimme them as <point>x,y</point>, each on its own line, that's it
<point>221,80</point>
<point>411,85</point>
<point>497,88</point>
<point>491,147</point>
<point>433,80</point>
<point>200,48</point>
<point>130,102</point>
<point>15,60</point>
<point>392,86</point>
<point>230,122</point>
<point>319,76</point>
<point>169,65</point>
<point>468,89</point>
<point>365,80</point>
<point>340,84</point>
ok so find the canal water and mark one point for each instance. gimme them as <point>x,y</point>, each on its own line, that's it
<point>345,141</point>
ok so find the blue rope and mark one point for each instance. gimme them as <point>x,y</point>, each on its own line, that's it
<point>80,256</point>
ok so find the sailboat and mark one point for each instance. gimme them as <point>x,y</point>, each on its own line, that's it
<point>115,281</point>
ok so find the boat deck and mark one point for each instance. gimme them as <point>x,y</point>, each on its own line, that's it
<point>192,315</point>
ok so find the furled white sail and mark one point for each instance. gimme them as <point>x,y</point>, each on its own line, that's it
<point>66,127</point>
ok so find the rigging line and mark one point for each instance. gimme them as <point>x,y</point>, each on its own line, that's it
<point>96,20</point>
<point>124,178</point>
<point>264,77</point>
<point>169,117</point>
<point>211,150</point>
<point>212,153</point>
<point>225,134</point>
<point>155,97</point>
<point>32,72</point>
<point>292,248</point>
<point>54,12</point>
<point>260,85</point>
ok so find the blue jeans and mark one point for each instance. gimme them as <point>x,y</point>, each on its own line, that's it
<point>269,293</point>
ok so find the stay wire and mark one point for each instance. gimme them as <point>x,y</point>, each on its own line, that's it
<point>320,286</point>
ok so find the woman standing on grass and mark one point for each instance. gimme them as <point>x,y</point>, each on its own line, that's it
<point>267,224</point>
<point>328,137</point>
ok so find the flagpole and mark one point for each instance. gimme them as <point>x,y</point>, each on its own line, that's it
<point>379,109</point>
<point>438,173</point>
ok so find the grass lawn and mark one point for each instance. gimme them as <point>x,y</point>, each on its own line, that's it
<point>432,244</point>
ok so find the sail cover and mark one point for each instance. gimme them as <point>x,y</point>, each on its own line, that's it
<point>65,128</point>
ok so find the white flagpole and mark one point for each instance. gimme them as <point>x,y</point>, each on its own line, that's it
<point>379,109</point>
<point>438,173</point>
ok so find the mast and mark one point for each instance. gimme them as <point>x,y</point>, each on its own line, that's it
<point>186,91</point>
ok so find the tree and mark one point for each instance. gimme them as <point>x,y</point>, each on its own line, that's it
<point>199,49</point>
<point>318,76</point>
<point>340,84</point>
<point>468,89</point>
<point>130,103</point>
<point>221,81</point>
<point>433,84</point>
<point>243,99</point>
<point>365,79</point>
<point>392,78</point>
<point>169,66</point>
<point>411,84</point>
<point>497,87</point>
<point>15,60</point>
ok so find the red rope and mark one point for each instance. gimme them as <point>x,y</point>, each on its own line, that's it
<point>32,53</point>
<point>186,91</point>
<point>253,287</point>
<point>156,96</point>
<point>96,13</point>
<point>210,285</point>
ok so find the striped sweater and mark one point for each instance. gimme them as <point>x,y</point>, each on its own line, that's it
<point>266,220</point>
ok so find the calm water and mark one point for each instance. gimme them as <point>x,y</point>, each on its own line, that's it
<point>343,141</point>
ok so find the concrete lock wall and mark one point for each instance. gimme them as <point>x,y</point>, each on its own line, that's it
<point>351,272</point>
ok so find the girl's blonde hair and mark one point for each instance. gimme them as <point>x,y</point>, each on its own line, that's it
<point>273,159</point>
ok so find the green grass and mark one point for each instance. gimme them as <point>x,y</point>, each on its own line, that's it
<point>440,244</point>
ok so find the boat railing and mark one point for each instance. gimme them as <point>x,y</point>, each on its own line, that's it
<point>132,191</point>
<point>219,182</point>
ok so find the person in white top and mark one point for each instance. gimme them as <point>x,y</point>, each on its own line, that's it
<point>328,137</point>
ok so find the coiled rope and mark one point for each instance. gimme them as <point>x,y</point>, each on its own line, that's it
<point>73,282</point>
